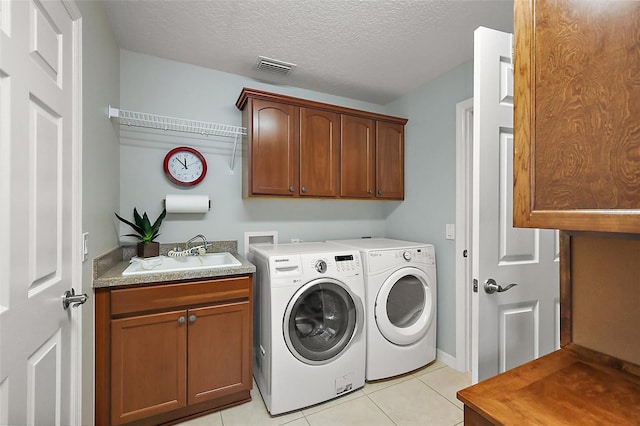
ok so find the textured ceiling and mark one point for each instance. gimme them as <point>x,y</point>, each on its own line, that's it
<point>371,50</point>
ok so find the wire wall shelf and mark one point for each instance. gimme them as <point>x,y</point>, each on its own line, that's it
<point>162,122</point>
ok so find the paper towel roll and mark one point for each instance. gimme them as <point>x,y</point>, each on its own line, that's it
<point>175,203</point>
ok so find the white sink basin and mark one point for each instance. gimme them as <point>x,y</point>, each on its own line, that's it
<point>154,265</point>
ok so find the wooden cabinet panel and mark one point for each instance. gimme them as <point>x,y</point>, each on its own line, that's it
<point>577,115</point>
<point>334,149</point>
<point>148,365</point>
<point>166,296</point>
<point>389,160</point>
<point>274,148</point>
<point>219,351</point>
<point>171,351</point>
<point>357,168</point>
<point>319,152</point>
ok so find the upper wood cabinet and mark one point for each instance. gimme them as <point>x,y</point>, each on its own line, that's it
<point>358,157</point>
<point>301,148</point>
<point>389,160</point>
<point>319,152</point>
<point>577,115</point>
<point>275,142</point>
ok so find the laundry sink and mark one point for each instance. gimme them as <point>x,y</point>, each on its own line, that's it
<point>154,265</point>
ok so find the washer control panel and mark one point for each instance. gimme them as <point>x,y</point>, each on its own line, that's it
<point>330,263</point>
<point>347,262</point>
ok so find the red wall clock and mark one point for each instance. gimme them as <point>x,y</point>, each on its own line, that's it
<point>185,166</point>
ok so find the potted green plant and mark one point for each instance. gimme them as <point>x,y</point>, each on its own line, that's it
<point>145,232</point>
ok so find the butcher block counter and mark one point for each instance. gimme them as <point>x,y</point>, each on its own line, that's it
<point>562,388</point>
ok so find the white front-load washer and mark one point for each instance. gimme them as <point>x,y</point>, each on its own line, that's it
<point>309,323</point>
<point>400,303</point>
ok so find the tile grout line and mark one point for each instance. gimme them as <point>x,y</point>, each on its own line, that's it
<point>381,409</point>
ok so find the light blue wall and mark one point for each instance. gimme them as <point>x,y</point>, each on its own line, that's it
<point>154,85</point>
<point>430,181</point>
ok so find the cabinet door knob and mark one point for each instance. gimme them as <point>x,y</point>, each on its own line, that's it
<point>292,188</point>
<point>192,318</point>
<point>181,320</point>
<point>303,189</point>
<point>379,191</point>
<point>370,192</point>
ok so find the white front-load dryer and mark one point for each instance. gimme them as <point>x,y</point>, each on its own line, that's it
<point>400,302</point>
<point>309,323</point>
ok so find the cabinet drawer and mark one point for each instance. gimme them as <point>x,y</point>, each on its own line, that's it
<point>129,300</point>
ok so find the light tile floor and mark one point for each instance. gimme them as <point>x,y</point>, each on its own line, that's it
<point>424,397</point>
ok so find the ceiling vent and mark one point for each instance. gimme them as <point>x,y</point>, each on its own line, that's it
<point>275,66</point>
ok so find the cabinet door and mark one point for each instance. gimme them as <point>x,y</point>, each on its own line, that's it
<point>319,152</point>
<point>274,148</point>
<point>577,115</point>
<point>219,351</point>
<point>389,160</point>
<point>357,159</point>
<point>148,365</point>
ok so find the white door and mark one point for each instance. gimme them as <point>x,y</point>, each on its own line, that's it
<point>522,323</point>
<point>40,211</point>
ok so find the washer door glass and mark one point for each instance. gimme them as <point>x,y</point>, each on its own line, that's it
<point>404,306</point>
<point>320,321</point>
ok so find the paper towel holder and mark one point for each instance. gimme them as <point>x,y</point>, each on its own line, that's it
<point>169,210</point>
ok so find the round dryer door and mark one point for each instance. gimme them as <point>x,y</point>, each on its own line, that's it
<point>321,319</point>
<point>404,306</point>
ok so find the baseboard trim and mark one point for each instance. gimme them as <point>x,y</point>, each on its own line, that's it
<point>448,359</point>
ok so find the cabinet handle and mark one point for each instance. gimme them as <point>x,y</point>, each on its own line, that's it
<point>192,318</point>
<point>370,192</point>
<point>304,189</point>
<point>292,188</point>
<point>181,320</point>
<point>379,191</point>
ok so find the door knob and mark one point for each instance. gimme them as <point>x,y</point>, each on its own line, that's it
<point>70,298</point>
<point>490,286</point>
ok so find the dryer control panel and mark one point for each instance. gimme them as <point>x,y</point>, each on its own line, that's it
<point>380,260</point>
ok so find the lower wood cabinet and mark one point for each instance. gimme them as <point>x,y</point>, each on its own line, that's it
<point>172,351</point>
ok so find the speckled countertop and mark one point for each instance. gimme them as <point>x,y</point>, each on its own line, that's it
<point>108,268</point>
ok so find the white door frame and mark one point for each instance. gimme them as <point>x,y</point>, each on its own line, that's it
<point>464,145</point>
<point>76,214</point>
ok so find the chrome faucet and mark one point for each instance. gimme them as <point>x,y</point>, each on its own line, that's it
<point>205,243</point>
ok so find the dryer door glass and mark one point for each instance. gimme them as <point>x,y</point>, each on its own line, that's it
<point>405,302</point>
<point>405,306</point>
<point>320,321</point>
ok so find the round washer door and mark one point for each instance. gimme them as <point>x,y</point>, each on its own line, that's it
<point>404,306</point>
<point>321,319</point>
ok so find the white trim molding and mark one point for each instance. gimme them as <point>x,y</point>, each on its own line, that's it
<point>464,145</point>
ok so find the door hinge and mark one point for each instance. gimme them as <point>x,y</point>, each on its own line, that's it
<point>475,285</point>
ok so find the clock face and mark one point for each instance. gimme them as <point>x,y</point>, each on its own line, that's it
<point>185,166</point>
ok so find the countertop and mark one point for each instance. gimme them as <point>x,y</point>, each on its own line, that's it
<point>108,268</point>
<point>563,387</point>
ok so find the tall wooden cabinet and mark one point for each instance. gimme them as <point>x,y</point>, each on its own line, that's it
<point>301,148</point>
<point>577,115</point>
<point>171,351</point>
